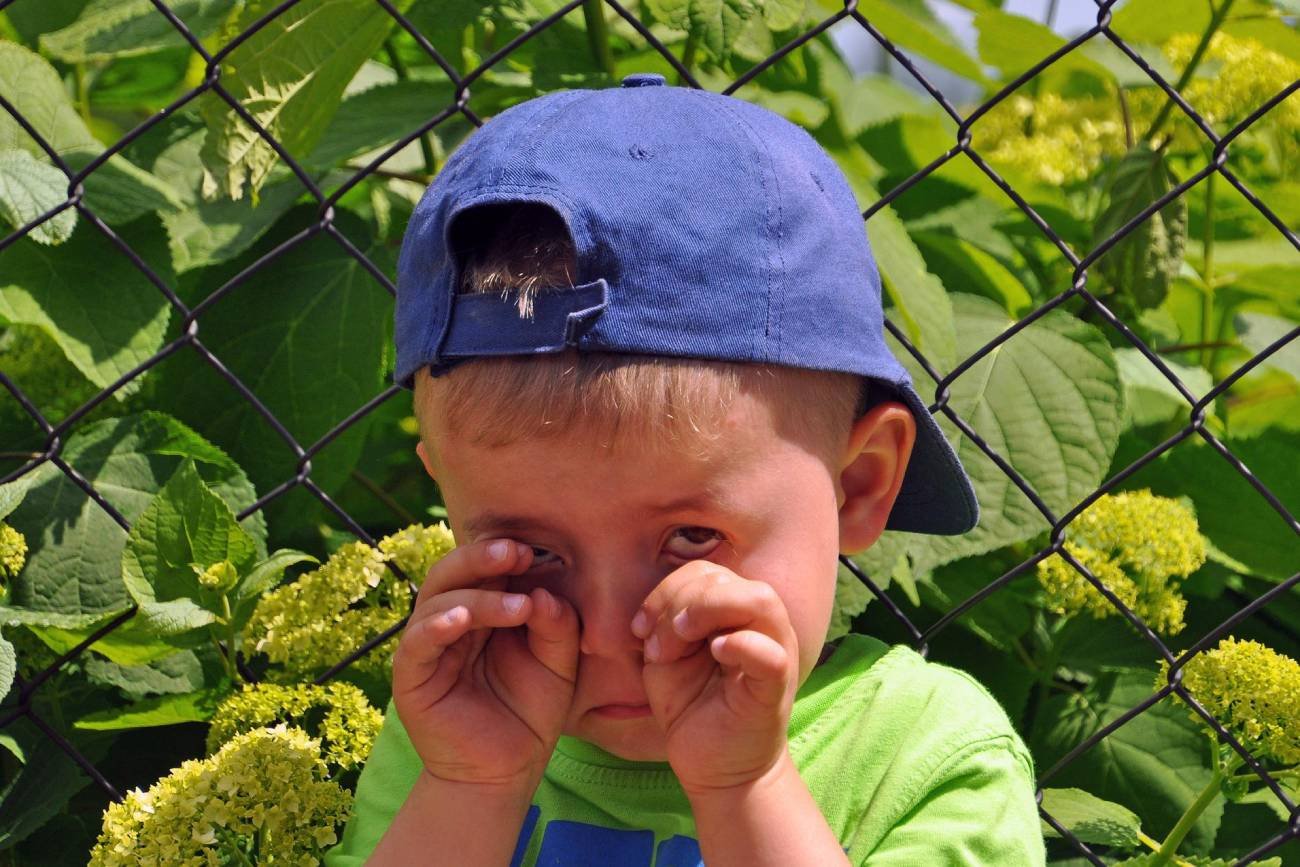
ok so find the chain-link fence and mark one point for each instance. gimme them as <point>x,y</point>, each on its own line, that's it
<point>324,224</point>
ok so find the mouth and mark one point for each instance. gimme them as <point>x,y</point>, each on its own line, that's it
<point>622,711</point>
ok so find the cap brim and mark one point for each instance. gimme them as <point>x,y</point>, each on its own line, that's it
<point>936,496</point>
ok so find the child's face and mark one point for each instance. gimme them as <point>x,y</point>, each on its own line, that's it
<point>608,528</point>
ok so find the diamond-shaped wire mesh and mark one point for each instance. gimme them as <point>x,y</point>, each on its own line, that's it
<point>326,229</point>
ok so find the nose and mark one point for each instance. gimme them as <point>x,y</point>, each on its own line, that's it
<point>606,612</point>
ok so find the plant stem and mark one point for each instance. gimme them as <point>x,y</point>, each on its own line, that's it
<point>232,641</point>
<point>1171,843</point>
<point>394,58</point>
<point>226,660</point>
<point>1289,772</point>
<point>688,54</point>
<point>1207,271</point>
<point>593,11</point>
<point>83,91</point>
<point>1216,21</point>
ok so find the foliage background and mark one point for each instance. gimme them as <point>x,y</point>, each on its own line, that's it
<point>150,310</point>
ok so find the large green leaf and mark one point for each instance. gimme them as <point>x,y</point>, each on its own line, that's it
<point>1258,331</point>
<point>1048,401</point>
<point>116,191</point>
<point>203,232</point>
<point>186,525</point>
<point>100,309</point>
<point>1155,764</point>
<point>1014,44</point>
<point>290,76</point>
<point>965,267</point>
<point>120,28</point>
<point>45,782</point>
<point>1090,818</point>
<point>1142,264</point>
<point>717,24</point>
<point>8,665</point>
<point>163,710</point>
<point>1229,509</point>
<point>307,335</point>
<point>75,549</point>
<point>28,189</point>
<point>379,116</point>
<point>1149,397</point>
<point>911,25</point>
<point>180,672</point>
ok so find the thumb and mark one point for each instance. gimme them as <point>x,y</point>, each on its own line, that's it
<point>553,634</point>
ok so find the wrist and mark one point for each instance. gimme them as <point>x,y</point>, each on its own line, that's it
<point>488,794</point>
<point>779,774</point>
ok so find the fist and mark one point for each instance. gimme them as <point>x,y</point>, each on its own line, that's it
<point>721,670</point>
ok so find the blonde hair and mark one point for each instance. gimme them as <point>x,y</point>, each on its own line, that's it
<point>646,400</point>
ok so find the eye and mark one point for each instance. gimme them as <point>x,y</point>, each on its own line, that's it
<point>692,543</point>
<point>543,557</point>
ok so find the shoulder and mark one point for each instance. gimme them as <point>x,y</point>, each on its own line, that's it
<point>924,716</point>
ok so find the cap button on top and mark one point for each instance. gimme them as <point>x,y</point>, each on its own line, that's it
<point>643,79</point>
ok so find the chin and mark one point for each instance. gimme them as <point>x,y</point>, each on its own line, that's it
<point>639,742</point>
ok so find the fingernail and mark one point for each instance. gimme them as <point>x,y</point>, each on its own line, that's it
<point>639,624</point>
<point>552,604</point>
<point>498,549</point>
<point>513,602</point>
<point>679,623</point>
<point>652,648</point>
<point>452,615</point>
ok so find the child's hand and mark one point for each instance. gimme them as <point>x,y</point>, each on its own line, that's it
<point>482,690</point>
<point>722,668</point>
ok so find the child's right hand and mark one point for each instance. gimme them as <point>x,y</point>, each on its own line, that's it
<point>483,691</point>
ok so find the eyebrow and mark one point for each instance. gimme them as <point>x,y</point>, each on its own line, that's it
<point>504,522</point>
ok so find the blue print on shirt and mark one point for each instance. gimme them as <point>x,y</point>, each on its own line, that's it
<point>577,844</point>
<point>525,834</point>
<point>679,851</point>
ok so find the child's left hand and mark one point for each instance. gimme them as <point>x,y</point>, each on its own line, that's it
<point>721,679</point>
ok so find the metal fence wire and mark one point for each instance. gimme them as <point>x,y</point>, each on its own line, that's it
<point>192,339</point>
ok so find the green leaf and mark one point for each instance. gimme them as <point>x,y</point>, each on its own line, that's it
<point>29,188</point>
<point>919,305</point>
<point>1090,818</point>
<point>12,494</point>
<point>290,76</point>
<point>261,578</point>
<point>185,524</point>
<point>715,23</point>
<point>43,785</point>
<point>1015,44</point>
<point>180,672</point>
<point>911,25</point>
<point>1150,398</point>
<point>121,28</point>
<point>1048,401</point>
<point>377,117</point>
<point>116,191</point>
<point>851,599</point>
<point>313,353</point>
<point>1155,764</point>
<point>1258,331</point>
<point>156,631</point>
<point>8,665</point>
<point>961,264</point>
<point>1229,509</point>
<point>1142,265</point>
<point>164,710</point>
<point>104,333</point>
<point>75,548</point>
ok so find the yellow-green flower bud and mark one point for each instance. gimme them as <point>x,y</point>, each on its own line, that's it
<point>1252,690</point>
<point>13,552</point>
<point>220,577</point>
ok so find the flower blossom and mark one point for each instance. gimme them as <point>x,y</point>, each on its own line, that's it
<point>1252,690</point>
<point>1136,544</point>
<point>306,626</point>
<point>263,792</point>
<point>347,730</point>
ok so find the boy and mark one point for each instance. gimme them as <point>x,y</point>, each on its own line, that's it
<point>644,331</point>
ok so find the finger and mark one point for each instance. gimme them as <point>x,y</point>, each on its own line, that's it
<point>708,609</point>
<point>473,565</point>
<point>674,584</point>
<point>764,662</point>
<point>443,621</point>
<point>553,634</point>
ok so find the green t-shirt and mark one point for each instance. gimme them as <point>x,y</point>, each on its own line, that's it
<point>911,762</point>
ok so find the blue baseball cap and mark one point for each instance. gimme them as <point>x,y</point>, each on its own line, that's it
<point>703,226</point>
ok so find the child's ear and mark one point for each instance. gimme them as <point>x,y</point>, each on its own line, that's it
<point>424,459</point>
<point>874,461</point>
